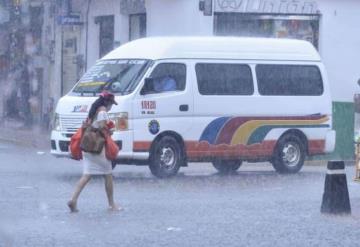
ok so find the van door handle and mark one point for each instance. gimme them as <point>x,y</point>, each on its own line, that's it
<point>184,107</point>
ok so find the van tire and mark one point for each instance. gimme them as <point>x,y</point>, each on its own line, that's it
<point>289,154</point>
<point>227,166</point>
<point>166,157</point>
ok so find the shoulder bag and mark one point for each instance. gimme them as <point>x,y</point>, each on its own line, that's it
<point>92,140</point>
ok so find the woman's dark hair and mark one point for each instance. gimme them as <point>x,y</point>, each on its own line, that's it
<point>101,101</point>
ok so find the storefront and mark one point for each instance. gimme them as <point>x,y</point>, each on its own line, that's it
<point>273,19</point>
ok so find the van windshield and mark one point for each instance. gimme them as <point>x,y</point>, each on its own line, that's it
<point>116,76</point>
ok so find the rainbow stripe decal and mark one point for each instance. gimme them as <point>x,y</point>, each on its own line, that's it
<point>246,131</point>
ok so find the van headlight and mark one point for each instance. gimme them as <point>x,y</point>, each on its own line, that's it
<point>56,122</point>
<point>120,120</point>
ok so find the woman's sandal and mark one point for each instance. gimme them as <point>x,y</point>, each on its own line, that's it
<point>115,208</point>
<point>72,207</point>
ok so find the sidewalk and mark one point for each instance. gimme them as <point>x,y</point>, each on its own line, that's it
<point>13,131</point>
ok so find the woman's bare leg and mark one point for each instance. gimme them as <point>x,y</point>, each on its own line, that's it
<point>109,187</point>
<point>79,187</point>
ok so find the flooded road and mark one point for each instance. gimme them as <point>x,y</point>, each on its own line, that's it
<point>254,207</point>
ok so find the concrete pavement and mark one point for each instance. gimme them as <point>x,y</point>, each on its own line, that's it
<point>16,132</point>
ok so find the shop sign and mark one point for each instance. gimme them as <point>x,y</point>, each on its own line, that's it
<point>267,6</point>
<point>128,7</point>
<point>69,20</point>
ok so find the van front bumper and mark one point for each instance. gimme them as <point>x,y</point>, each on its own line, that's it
<point>60,143</point>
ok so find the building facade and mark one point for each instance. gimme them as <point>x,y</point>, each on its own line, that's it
<point>23,60</point>
<point>46,45</point>
<point>88,29</point>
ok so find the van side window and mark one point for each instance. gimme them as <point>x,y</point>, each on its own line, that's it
<point>169,77</point>
<point>224,79</point>
<point>289,80</point>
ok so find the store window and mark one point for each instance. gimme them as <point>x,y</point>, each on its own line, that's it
<point>305,27</point>
<point>295,80</point>
<point>224,79</point>
<point>137,26</point>
<point>106,34</point>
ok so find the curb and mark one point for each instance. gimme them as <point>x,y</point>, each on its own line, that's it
<point>324,162</point>
<point>315,162</point>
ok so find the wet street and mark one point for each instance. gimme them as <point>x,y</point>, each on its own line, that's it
<point>199,207</point>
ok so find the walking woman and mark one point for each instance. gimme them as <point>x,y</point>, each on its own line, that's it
<point>97,164</point>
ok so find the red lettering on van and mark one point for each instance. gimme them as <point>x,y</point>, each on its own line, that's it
<point>148,105</point>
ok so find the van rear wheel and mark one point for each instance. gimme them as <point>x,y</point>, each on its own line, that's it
<point>166,158</point>
<point>227,166</point>
<point>289,154</point>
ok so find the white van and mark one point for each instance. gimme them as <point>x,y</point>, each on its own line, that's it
<point>218,99</point>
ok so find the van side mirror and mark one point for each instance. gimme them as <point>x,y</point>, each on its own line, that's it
<point>359,82</point>
<point>148,86</point>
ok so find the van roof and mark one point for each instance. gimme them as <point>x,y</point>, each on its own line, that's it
<point>216,48</point>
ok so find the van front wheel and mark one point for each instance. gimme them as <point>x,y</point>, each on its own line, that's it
<point>227,166</point>
<point>165,159</point>
<point>289,155</point>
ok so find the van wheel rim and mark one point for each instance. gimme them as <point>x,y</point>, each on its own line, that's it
<point>291,154</point>
<point>167,158</point>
